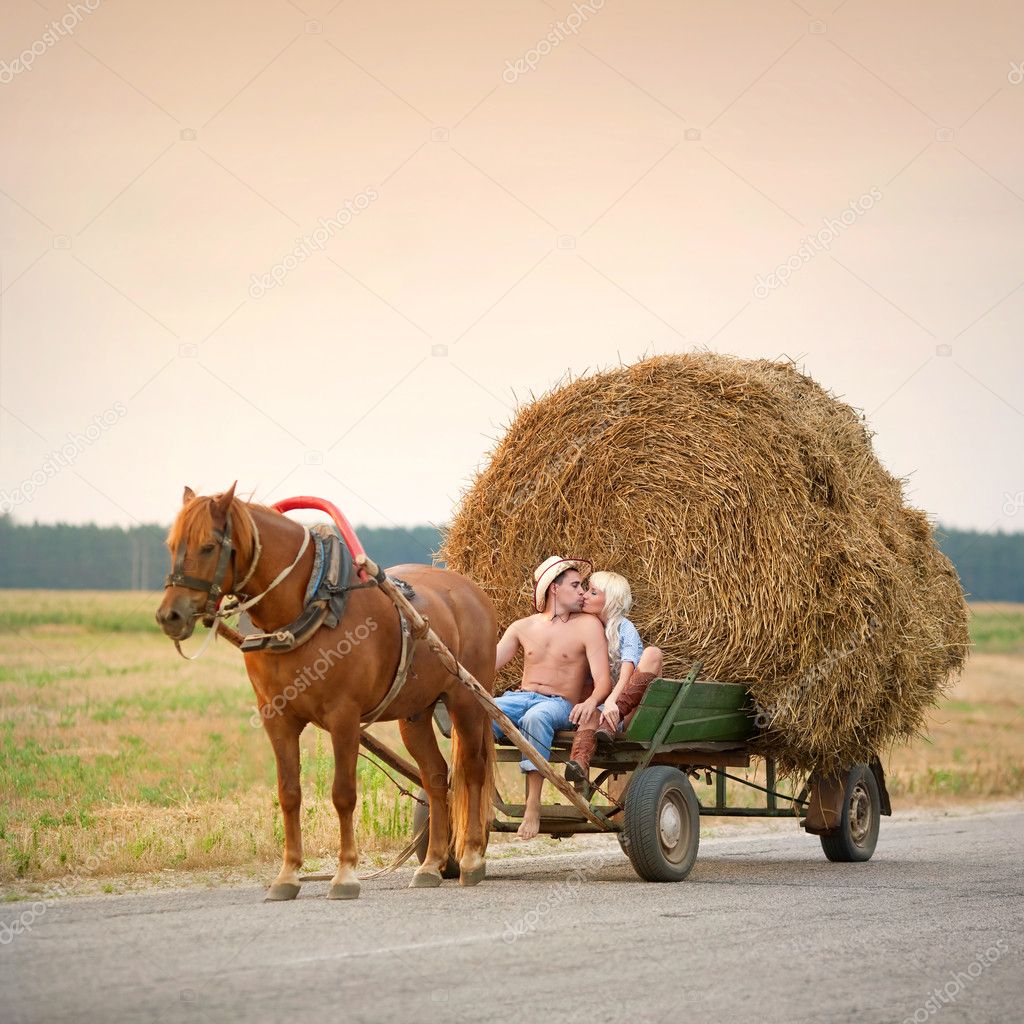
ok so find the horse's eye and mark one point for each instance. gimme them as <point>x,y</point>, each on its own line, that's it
<point>206,549</point>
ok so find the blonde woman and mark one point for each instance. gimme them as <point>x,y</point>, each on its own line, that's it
<point>609,597</point>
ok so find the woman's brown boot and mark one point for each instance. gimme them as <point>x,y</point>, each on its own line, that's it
<point>631,696</point>
<point>634,692</point>
<point>577,768</point>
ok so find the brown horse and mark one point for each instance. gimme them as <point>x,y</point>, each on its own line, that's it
<point>335,679</point>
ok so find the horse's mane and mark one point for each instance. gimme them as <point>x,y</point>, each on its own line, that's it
<point>194,525</point>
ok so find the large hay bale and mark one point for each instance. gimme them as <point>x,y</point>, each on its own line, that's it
<point>759,532</point>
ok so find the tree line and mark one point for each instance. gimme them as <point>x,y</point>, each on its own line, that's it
<point>65,557</point>
<point>991,565</point>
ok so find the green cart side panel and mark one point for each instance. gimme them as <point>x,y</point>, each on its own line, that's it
<point>717,696</point>
<point>660,693</point>
<point>709,711</point>
<point>733,726</point>
<point>645,723</point>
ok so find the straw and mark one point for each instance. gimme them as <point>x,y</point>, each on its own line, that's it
<point>760,534</point>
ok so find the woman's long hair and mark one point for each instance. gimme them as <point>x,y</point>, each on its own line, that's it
<point>618,599</point>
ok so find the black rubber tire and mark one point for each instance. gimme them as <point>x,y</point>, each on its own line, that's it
<point>661,827</point>
<point>857,835</point>
<point>420,816</point>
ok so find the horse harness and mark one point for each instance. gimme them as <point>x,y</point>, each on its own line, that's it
<point>323,604</point>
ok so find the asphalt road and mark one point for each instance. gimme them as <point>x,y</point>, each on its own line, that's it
<point>765,929</point>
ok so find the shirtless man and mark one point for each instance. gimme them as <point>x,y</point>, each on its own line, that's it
<point>562,650</point>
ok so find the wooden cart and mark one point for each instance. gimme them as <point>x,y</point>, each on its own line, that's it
<point>682,728</point>
<point>691,728</point>
<point>695,727</point>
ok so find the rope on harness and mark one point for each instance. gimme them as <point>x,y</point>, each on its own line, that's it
<point>406,853</point>
<point>207,640</point>
<point>401,789</point>
<point>393,866</point>
<point>232,607</point>
<point>279,578</point>
<point>410,638</point>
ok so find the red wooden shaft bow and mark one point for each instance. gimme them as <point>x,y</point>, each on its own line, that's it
<point>343,525</point>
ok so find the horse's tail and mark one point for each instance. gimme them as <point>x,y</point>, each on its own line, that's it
<point>462,812</point>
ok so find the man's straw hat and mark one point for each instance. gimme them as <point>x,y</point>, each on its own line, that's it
<point>544,575</point>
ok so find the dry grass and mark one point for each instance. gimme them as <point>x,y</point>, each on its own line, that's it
<point>758,529</point>
<point>118,758</point>
<point>972,745</point>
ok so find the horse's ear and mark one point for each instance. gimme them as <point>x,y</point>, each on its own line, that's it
<point>188,495</point>
<point>223,503</point>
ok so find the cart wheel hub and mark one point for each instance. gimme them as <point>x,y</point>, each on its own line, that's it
<point>670,824</point>
<point>860,814</point>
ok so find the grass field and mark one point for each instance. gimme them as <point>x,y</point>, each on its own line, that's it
<point>118,757</point>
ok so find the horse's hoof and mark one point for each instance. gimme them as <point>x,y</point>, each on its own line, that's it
<point>343,891</point>
<point>473,876</point>
<point>281,891</point>
<point>425,880</point>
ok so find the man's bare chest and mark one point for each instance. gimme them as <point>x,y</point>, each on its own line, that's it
<point>553,647</point>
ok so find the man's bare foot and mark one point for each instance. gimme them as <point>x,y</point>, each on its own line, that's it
<point>531,824</point>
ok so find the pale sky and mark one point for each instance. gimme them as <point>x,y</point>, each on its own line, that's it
<point>513,196</point>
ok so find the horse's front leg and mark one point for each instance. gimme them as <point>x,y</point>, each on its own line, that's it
<point>345,738</point>
<point>284,736</point>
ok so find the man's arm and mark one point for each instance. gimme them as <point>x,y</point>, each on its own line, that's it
<point>596,647</point>
<point>508,646</point>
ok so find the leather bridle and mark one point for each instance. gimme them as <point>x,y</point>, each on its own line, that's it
<point>213,588</point>
<point>324,607</point>
<point>211,613</point>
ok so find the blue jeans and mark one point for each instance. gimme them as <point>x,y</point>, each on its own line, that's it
<point>538,716</point>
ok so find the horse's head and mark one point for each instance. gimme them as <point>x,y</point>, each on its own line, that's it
<point>203,543</point>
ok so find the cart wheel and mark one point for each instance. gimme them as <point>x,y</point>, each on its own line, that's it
<point>857,834</point>
<point>420,817</point>
<point>661,828</point>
